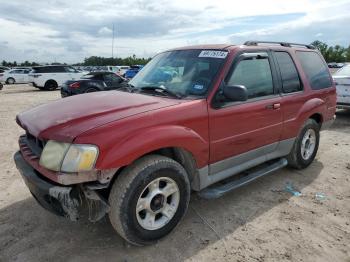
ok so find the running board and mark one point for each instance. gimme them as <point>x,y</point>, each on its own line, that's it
<point>219,189</point>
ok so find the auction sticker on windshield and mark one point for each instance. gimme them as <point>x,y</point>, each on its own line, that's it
<point>213,54</point>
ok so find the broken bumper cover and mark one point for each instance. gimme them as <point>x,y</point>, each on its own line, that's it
<point>68,201</point>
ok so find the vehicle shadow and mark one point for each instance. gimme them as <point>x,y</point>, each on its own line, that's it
<point>29,233</point>
<point>342,122</point>
<point>16,91</point>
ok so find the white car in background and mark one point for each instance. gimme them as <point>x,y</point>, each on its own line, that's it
<point>120,70</point>
<point>53,77</point>
<point>16,76</point>
<point>342,83</point>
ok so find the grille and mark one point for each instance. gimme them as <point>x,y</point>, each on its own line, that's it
<point>34,144</point>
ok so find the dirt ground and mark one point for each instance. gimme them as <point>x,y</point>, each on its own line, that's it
<point>258,222</point>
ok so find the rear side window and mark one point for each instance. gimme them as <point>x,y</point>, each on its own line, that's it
<point>315,69</point>
<point>17,71</point>
<point>289,74</point>
<point>254,73</point>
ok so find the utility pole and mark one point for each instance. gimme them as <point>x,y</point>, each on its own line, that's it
<point>113,42</point>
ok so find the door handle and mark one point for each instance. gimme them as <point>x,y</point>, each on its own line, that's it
<point>274,106</point>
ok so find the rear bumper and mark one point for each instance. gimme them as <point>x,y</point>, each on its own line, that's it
<point>68,201</point>
<point>66,92</point>
<point>327,124</point>
<point>343,106</point>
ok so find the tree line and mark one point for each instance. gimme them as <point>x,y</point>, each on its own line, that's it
<point>14,64</point>
<point>103,61</point>
<point>89,61</point>
<point>335,53</point>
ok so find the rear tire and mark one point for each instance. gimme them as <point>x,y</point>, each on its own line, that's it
<point>148,199</point>
<point>305,146</point>
<point>10,81</point>
<point>90,90</point>
<point>50,85</point>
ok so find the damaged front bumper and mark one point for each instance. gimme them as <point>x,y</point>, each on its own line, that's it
<point>73,202</point>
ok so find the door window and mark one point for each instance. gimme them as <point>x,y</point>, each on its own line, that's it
<point>17,71</point>
<point>253,72</point>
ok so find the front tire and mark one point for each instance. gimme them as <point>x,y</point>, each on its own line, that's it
<point>148,199</point>
<point>305,146</point>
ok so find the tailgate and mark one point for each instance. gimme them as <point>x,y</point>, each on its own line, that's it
<point>343,90</point>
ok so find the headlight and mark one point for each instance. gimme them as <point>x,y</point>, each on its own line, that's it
<point>79,158</point>
<point>53,154</point>
<point>68,158</point>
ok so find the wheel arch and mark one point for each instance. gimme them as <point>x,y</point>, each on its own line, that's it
<point>318,117</point>
<point>181,155</point>
<point>312,109</point>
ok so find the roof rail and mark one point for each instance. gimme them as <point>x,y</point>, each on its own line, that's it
<point>285,44</point>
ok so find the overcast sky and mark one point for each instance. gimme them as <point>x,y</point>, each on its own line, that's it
<point>68,31</point>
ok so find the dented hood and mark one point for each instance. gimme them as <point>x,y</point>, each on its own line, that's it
<point>64,119</point>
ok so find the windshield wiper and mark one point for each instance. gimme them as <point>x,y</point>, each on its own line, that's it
<point>127,87</point>
<point>161,90</point>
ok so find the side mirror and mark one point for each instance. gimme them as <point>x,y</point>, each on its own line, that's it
<point>236,93</point>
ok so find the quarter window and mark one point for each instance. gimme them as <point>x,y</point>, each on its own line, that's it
<point>254,73</point>
<point>289,73</point>
<point>315,69</point>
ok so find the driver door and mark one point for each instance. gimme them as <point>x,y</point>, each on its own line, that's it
<point>252,127</point>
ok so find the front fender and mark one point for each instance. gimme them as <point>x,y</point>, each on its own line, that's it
<point>138,144</point>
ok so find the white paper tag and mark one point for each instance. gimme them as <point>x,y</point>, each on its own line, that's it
<point>198,87</point>
<point>213,54</point>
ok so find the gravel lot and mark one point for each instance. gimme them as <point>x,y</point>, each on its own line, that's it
<point>259,222</point>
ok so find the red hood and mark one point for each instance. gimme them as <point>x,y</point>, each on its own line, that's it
<point>65,119</point>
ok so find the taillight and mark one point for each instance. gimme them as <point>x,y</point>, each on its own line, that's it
<point>75,85</point>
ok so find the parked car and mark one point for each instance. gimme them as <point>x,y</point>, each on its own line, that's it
<point>120,70</point>
<point>18,76</point>
<point>342,83</point>
<point>132,71</point>
<point>93,82</point>
<point>52,77</point>
<point>4,68</point>
<point>335,65</point>
<point>2,76</point>
<point>138,154</point>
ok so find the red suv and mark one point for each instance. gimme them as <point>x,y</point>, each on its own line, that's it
<point>190,118</point>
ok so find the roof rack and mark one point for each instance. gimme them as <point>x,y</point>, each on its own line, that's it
<point>285,44</point>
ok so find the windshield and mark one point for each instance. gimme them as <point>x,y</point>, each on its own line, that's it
<point>345,71</point>
<point>184,72</point>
